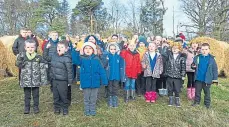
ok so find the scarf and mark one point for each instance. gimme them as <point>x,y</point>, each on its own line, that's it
<point>31,56</point>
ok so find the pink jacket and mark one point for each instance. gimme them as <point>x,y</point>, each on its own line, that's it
<point>189,60</point>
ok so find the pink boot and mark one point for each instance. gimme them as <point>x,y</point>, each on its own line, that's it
<point>154,97</point>
<point>189,93</point>
<point>193,93</point>
<point>147,97</point>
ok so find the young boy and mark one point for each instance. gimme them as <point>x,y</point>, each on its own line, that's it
<point>52,42</point>
<point>175,73</point>
<point>153,68</point>
<point>206,73</point>
<point>33,74</point>
<point>114,65</point>
<point>92,74</point>
<point>60,75</point>
<point>132,69</point>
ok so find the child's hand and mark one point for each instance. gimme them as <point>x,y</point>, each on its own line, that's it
<point>144,66</point>
<point>183,78</point>
<point>48,45</point>
<point>69,84</point>
<point>215,82</point>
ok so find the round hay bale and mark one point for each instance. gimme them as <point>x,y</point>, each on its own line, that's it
<point>217,49</point>
<point>2,61</point>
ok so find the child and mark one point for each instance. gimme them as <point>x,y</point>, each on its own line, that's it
<point>206,73</point>
<point>153,68</point>
<point>92,74</point>
<point>33,74</point>
<point>132,68</point>
<point>140,81</point>
<point>53,40</point>
<point>60,74</point>
<point>175,73</point>
<point>115,73</point>
<point>191,52</point>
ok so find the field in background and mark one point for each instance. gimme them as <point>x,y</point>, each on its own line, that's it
<point>133,114</point>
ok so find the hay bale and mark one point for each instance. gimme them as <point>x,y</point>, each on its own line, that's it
<point>10,58</point>
<point>218,49</point>
<point>2,61</point>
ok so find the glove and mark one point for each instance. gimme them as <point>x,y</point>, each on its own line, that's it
<point>69,84</point>
<point>183,78</point>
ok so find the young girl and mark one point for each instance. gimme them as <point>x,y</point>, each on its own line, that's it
<point>92,74</point>
<point>140,81</point>
<point>115,73</point>
<point>132,69</point>
<point>33,75</point>
<point>153,68</point>
<point>191,53</point>
<point>175,72</point>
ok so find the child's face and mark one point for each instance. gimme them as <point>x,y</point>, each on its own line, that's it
<point>205,50</point>
<point>194,45</point>
<point>115,38</point>
<point>54,36</point>
<point>91,39</point>
<point>29,33</point>
<point>23,33</point>
<point>141,44</point>
<point>158,40</point>
<point>88,50</point>
<point>175,50</point>
<point>61,49</point>
<point>30,47</point>
<point>152,47</point>
<point>112,49</point>
<point>132,47</point>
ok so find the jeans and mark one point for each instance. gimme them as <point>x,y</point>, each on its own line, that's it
<point>130,84</point>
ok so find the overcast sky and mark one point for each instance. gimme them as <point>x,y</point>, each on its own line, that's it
<point>168,18</point>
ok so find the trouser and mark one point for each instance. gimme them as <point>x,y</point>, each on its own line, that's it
<point>150,84</point>
<point>69,94</point>
<point>60,93</point>
<point>130,84</point>
<point>19,75</point>
<point>173,85</point>
<point>140,84</point>
<point>90,98</point>
<point>113,87</point>
<point>161,83</point>
<point>207,98</point>
<point>191,82</point>
<point>27,96</point>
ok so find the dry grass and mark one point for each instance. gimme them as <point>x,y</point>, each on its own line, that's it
<point>133,114</point>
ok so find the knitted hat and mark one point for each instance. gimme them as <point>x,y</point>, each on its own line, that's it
<point>91,45</point>
<point>142,39</point>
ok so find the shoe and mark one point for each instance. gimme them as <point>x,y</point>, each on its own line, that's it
<point>106,92</point>
<point>57,111</point>
<point>27,110</point>
<point>65,112</point>
<point>93,113</point>
<point>177,101</point>
<point>147,97</point>
<point>132,94</point>
<point>115,101</point>
<point>193,93</point>
<point>127,96</point>
<point>207,106</point>
<point>189,93</point>
<point>195,104</point>
<point>110,101</point>
<point>170,101</point>
<point>153,97</point>
<point>36,110</point>
<point>87,113</point>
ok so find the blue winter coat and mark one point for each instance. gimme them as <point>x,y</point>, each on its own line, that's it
<point>212,71</point>
<point>114,65</point>
<point>92,72</point>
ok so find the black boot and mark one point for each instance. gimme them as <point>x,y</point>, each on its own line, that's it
<point>133,94</point>
<point>127,96</point>
<point>57,111</point>
<point>26,110</point>
<point>36,109</point>
<point>65,112</point>
<point>177,101</point>
<point>170,101</point>
<point>106,92</point>
<point>195,104</point>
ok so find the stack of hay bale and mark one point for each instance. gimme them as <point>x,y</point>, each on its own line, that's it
<point>219,49</point>
<point>7,58</point>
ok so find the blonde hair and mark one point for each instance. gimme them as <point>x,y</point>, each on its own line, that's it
<point>177,44</point>
<point>51,32</point>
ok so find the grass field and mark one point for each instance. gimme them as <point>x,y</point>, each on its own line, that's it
<point>134,114</point>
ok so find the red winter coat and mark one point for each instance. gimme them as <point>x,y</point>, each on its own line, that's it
<point>43,44</point>
<point>133,63</point>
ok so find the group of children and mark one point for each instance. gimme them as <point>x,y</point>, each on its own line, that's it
<point>141,62</point>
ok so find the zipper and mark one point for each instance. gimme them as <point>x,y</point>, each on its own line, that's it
<point>32,72</point>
